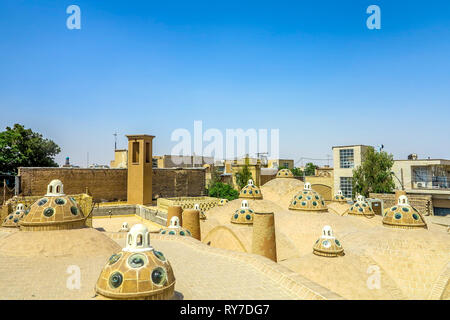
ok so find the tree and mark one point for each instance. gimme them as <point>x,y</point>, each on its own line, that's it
<point>20,147</point>
<point>223,191</point>
<point>215,177</point>
<point>297,172</point>
<point>374,174</point>
<point>310,169</point>
<point>243,175</point>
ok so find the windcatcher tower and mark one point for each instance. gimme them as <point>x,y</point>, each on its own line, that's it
<point>264,241</point>
<point>139,190</point>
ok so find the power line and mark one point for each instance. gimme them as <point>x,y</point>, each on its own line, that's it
<point>316,159</point>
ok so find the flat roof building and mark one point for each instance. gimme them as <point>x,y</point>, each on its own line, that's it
<point>425,177</point>
<point>345,159</point>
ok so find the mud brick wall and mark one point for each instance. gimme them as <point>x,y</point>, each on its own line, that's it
<point>102,184</point>
<point>178,182</point>
<point>423,203</point>
<point>111,184</point>
<point>266,178</point>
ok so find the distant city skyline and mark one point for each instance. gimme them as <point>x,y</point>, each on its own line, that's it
<point>312,70</point>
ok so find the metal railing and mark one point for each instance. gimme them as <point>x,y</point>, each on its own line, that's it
<point>431,182</point>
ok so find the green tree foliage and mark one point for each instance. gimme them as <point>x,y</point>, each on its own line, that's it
<point>297,172</point>
<point>374,174</point>
<point>20,147</point>
<point>243,175</point>
<point>223,191</point>
<point>310,169</point>
<point>215,177</point>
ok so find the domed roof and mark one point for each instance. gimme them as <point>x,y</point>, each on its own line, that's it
<point>202,214</point>
<point>138,271</point>
<point>55,211</point>
<point>12,220</point>
<point>55,188</point>
<point>125,227</point>
<point>223,202</point>
<point>175,229</point>
<point>250,191</point>
<point>308,200</point>
<point>403,215</point>
<point>361,208</point>
<point>285,173</point>
<point>244,215</point>
<point>327,245</point>
<point>339,197</point>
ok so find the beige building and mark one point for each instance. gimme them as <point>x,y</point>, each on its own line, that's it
<point>345,159</point>
<point>425,177</point>
<point>323,182</point>
<point>254,165</point>
<point>172,161</point>
<point>120,159</point>
<point>286,163</point>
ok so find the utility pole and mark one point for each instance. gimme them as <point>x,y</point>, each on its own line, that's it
<point>115,140</point>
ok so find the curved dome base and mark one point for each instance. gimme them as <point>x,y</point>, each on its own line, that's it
<point>76,224</point>
<point>309,209</point>
<point>164,294</point>
<point>369,214</point>
<point>251,197</point>
<point>246,223</point>
<point>10,227</point>
<point>86,242</point>
<point>399,226</point>
<point>328,254</point>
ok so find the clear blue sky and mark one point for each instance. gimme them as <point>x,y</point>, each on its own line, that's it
<point>310,68</point>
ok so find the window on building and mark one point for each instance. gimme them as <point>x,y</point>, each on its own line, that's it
<point>420,174</point>
<point>346,186</point>
<point>135,152</point>
<point>286,164</point>
<point>147,152</point>
<point>441,211</point>
<point>346,157</point>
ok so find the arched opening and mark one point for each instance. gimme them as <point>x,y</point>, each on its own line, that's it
<point>58,189</point>
<point>139,240</point>
<point>130,239</point>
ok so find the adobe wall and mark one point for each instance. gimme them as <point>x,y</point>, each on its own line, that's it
<point>423,203</point>
<point>102,184</point>
<point>111,184</point>
<point>168,182</point>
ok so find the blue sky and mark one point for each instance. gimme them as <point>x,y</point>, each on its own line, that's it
<point>310,68</point>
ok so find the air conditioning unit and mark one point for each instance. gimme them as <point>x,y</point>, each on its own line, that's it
<point>419,185</point>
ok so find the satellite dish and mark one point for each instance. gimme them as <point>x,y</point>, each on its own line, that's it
<point>380,147</point>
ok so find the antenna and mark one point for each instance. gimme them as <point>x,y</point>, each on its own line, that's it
<point>115,140</point>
